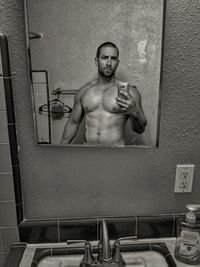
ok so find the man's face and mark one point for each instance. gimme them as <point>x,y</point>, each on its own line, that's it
<point>107,61</point>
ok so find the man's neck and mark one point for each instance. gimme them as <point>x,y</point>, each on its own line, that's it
<point>106,80</point>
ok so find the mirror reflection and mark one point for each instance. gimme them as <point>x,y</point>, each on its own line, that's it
<point>95,71</point>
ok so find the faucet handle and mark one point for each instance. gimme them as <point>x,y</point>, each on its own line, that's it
<point>117,257</point>
<point>133,237</point>
<point>88,258</point>
<point>77,241</point>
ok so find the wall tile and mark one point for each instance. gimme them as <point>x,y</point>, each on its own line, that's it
<point>13,144</point>
<point>39,231</point>
<point>2,96</point>
<point>6,187</point>
<point>10,235</point>
<point>9,102</point>
<point>155,226</point>
<point>3,256</point>
<point>15,255</point>
<point>1,69</point>
<point>120,227</point>
<point>39,77</point>
<point>177,218</point>
<point>7,214</point>
<point>5,160</point>
<point>3,127</point>
<point>1,241</point>
<point>84,229</point>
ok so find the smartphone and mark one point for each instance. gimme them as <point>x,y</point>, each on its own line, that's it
<point>122,86</point>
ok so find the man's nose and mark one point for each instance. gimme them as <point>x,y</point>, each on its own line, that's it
<point>109,62</point>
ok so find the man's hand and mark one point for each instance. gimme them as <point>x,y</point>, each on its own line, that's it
<point>131,105</point>
<point>127,104</point>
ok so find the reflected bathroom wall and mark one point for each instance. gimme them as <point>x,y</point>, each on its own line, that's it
<point>63,42</point>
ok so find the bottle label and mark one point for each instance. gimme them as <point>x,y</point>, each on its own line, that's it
<point>189,243</point>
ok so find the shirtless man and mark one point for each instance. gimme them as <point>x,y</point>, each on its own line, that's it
<point>106,112</point>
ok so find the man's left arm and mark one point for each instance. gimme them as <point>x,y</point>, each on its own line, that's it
<point>133,107</point>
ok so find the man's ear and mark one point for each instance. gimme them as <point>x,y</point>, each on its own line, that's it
<point>96,61</point>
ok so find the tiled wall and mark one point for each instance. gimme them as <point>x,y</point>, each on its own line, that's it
<point>8,221</point>
<point>61,230</point>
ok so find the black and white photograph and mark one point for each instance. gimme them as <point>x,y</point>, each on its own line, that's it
<point>99,133</point>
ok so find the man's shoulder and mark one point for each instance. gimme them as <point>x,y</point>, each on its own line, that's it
<point>134,91</point>
<point>132,87</point>
<point>87,86</point>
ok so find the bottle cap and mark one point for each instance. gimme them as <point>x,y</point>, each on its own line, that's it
<point>190,216</point>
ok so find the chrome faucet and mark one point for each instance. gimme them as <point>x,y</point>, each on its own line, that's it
<point>104,245</point>
<point>105,254</point>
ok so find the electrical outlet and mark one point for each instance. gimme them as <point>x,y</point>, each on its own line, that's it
<point>184,178</point>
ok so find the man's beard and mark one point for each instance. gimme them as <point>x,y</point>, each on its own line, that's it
<point>107,72</point>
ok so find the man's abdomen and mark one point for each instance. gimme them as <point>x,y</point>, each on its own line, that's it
<point>105,131</point>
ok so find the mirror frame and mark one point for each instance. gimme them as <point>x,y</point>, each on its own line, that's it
<point>34,35</point>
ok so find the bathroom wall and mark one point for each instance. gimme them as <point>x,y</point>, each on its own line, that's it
<point>10,21</point>
<point>60,182</point>
<point>8,221</point>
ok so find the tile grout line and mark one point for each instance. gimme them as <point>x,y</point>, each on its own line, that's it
<point>8,227</point>
<point>7,201</point>
<point>5,143</point>
<point>98,234</point>
<point>136,226</point>
<point>173,228</point>
<point>58,225</point>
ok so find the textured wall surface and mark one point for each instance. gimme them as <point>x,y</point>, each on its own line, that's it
<point>8,221</point>
<point>78,181</point>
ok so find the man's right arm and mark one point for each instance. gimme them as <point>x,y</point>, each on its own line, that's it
<point>74,121</point>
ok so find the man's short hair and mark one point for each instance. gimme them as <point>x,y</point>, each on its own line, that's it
<point>110,44</point>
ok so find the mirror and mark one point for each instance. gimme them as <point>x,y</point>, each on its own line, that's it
<point>64,37</point>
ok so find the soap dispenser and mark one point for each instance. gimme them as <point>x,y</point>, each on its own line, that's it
<point>187,248</point>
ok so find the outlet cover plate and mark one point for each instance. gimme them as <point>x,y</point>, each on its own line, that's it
<point>184,178</point>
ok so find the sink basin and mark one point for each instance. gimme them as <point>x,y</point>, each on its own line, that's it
<point>131,259</point>
<point>134,255</point>
<point>61,261</point>
<point>144,259</point>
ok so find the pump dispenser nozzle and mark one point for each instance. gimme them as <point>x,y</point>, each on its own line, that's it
<point>190,216</point>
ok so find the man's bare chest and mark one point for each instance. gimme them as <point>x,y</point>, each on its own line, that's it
<point>95,99</point>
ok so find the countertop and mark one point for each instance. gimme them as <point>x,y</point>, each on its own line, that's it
<point>30,249</point>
